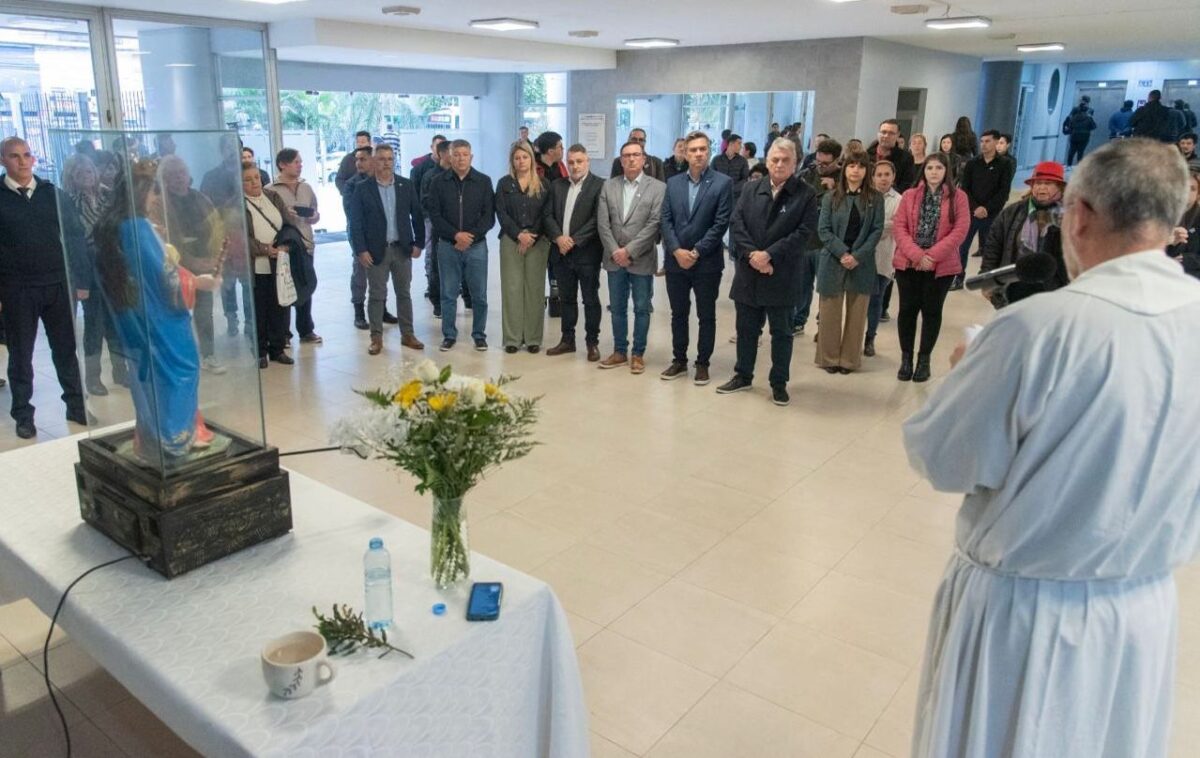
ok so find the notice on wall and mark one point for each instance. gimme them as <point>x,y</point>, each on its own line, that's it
<point>591,133</point>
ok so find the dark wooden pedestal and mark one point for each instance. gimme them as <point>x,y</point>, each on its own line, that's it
<point>198,512</point>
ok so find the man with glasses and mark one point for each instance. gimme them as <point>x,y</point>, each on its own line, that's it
<point>887,148</point>
<point>695,216</point>
<point>653,166</point>
<point>628,221</point>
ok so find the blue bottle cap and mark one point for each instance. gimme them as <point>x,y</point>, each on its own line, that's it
<point>375,543</point>
<point>439,609</point>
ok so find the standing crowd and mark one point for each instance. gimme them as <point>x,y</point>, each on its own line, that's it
<point>854,225</point>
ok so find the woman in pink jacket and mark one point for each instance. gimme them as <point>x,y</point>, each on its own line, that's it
<point>933,217</point>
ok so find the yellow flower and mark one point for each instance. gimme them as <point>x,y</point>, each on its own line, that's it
<point>408,394</point>
<point>442,401</point>
<point>493,391</point>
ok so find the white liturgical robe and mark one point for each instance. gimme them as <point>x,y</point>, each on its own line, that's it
<point>1071,425</point>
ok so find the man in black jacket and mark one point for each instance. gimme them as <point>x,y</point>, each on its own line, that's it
<point>346,168</point>
<point>772,224</point>
<point>576,251</point>
<point>733,164</point>
<point>34,283</point>
<point>388,232</point>
<point>433,291</point>
<point>654,166</point>
<point>887,147</point>
<point>986,179</point>
<point>1152,120</point>
<point>462,208</point>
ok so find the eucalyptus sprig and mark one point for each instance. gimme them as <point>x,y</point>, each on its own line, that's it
<point>346,631</point>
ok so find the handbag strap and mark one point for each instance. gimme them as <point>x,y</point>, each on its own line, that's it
<point>264,216</point>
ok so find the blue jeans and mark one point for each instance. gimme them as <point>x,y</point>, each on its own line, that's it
<point>980,226</point>
<point>808,279</point>
<point>620,283</point>
<point>875,309</point>
<point>454,267</point>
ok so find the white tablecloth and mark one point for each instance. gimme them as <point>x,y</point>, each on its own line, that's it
<point>188,648</point>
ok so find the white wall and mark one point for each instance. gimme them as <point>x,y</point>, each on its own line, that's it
<point>1134,71</point>
<point>952,84</point>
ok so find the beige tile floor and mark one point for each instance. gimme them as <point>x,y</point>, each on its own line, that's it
<point>741,579</point>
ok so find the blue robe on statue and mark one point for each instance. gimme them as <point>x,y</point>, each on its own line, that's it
<point>157,335</point>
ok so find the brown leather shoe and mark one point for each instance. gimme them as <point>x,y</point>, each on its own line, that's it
<point>636,365</point>
<point>593,353</point>
<point>561,348</point>
<point>614,360</point>
<point>410,340</point>
<point>701,376</point>
<point>376,345</point>
<point>674,371</point>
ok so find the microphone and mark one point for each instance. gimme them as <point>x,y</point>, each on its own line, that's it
<point>1036,268</point>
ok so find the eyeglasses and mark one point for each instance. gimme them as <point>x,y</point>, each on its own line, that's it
<point>637,139</point>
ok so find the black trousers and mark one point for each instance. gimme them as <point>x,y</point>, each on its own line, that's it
<point>887,296</point>
<point>98,328</point>
<point>575,279</point>
<point>23,308</point>
<point>1076,149</point>
<point>270,317</point>
<point>680,286</point>
<point>750,320</point>
<point>921,294</point>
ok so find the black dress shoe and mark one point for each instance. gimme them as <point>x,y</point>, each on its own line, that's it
<point>389,318</point>
<point>510,349</point>
<point>831,369</point>
<point>869,347</point>
<point>262,362</point>
<point>905,374</point>
<point>922,372</point>
<point>81,417</point>
<point>26,430</point>
<point>533,348</point>
<point>843,370</point>
<point>283,358</point>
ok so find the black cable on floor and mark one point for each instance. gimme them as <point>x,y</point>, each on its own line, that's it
<point>46,647</point>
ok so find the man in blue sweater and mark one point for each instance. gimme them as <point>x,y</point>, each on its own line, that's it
<point>34,284</point>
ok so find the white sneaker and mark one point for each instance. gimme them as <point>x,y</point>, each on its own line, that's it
<point>212,365</point>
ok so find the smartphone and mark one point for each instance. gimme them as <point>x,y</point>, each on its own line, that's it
<point>303,211</point>
<point>484,604</point>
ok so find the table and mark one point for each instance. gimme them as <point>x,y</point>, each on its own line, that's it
<point>188,648</point>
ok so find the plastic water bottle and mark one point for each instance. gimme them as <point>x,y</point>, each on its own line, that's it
<point>377,576</point>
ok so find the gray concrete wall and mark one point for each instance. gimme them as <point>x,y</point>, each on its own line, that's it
<point>829,67</point>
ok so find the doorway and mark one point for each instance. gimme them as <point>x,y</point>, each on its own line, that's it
<point>910,110</point>
<point>1187,90</point>
<point>1106,99</point>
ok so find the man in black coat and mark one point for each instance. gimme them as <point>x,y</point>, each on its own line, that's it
<point>1152,120</point>
<point>34,283</point>
<point>772,224</point>
<point>387,232</point>
<point>887,147</point>
<point>654,166</point>
<point>576,251</point>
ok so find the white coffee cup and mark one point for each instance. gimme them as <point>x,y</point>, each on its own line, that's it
<point>292,665</point>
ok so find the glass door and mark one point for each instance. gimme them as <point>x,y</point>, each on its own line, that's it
<point>49,81</point>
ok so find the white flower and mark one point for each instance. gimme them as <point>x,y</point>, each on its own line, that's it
<point>475,393</point>
<point>427,371</point>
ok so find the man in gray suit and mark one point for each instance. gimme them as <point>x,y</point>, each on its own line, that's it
<point>628,222</point>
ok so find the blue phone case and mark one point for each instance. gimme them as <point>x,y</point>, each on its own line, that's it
<point>484,604</point>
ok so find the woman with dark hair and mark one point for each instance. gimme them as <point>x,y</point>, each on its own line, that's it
<point>850,225</point>
<point>151,297</point>
<point>930,224</point>
<point>81,182</point>
<point>966,144</point>
<point>946,149</point>
<point>522,201</point>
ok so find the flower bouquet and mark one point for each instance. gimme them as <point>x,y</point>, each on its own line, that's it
<point>447,431</point>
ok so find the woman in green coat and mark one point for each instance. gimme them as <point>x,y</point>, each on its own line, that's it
<point>850,225</point>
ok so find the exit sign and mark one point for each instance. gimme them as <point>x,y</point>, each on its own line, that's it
<point>1145,82</point>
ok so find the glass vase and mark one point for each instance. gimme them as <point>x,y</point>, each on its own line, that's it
<point>450,548</point>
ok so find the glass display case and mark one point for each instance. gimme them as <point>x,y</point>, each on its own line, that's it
<point>155,245</point>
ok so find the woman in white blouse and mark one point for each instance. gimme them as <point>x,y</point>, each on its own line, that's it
<point>883,176</point>
<point>265,215</point>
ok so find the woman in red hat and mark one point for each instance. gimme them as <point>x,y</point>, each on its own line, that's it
<point>1030,225</point>
<point>930,225</point>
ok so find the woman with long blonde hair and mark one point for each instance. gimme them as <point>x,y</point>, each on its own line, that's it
<point>522,202</point>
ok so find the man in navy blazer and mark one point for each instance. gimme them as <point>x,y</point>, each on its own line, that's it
<point>695,216</point>
<point>387,230</point>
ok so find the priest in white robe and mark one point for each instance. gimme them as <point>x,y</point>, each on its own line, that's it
<point>1070,423</point>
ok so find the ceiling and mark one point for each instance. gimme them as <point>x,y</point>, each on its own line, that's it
<point>1092,30</point>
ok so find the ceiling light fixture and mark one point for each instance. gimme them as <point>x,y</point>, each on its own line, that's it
<point>1042,47</point>
<point>585,33</point>
<point>401,10</point>
<point>272,2</point>
<point>504,24</point>
<point>959,22</point>
<point>180,65</point>
<point>651,42</point>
